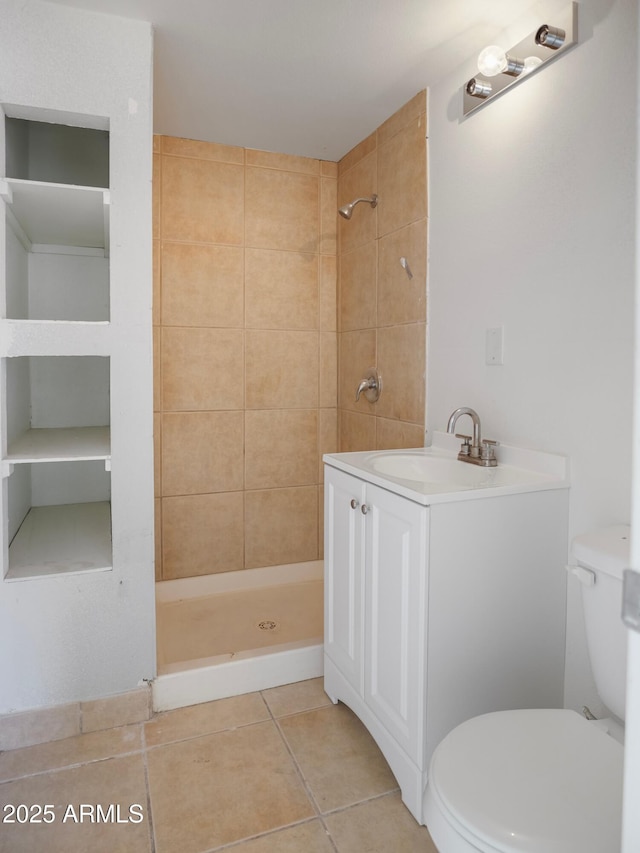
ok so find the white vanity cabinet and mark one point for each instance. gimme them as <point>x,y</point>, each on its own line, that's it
<point>437,610</point>
<point>375,587</point>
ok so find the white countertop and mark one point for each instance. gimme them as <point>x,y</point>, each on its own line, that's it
<point>519,470</point>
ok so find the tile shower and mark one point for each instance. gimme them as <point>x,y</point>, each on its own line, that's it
<point>258,347</point>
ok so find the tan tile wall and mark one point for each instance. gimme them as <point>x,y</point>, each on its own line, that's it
<point>381,312</point>
<point>245,337</point>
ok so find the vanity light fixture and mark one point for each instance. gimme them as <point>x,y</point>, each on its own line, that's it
<point>500,69</point>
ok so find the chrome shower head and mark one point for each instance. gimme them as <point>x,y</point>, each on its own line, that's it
<point>347,211</point>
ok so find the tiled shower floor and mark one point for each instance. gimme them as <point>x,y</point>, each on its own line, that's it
<point>231,622</point>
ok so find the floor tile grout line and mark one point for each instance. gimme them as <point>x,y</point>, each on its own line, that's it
<point>145,763</point>
<point>366,800</point>
<point>232,844</point>
<point>305,784</point>
<point>73,766</point>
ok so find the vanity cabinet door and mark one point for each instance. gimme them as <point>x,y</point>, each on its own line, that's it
<point>396,616</point>
<point>344,575</point>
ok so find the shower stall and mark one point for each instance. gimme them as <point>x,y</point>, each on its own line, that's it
<point>268,308</point>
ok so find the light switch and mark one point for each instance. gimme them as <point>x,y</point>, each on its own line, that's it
<point>494,346</point>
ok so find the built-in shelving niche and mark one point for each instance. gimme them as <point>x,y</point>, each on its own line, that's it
<point>57,465</point>
<point>59,519</point>
<point>57,223</point>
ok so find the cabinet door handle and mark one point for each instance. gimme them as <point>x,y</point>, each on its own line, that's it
<point>364,509</point>
<point>354,503</point>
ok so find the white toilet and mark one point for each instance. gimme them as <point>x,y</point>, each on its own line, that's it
<point>544,781</point>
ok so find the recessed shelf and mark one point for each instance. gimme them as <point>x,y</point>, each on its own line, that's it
<point>59,214</point>
<point>59,540</point>
<point>61,444</point>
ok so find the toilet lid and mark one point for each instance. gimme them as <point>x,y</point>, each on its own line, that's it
<point>531,781</point>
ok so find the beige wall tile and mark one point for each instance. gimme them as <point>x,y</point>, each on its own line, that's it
<point>156,283</point>
<point>401,362</point>
<point>202,452</point>
<point>281,289</point>
<point>281,369</point>
<point>359,182</point>
<point>202,285</point>
<point>392,435</point>
<point>281,448</point>
<point>278,304</point>
<point>412,110</point>
<point>284,162</point>
<point>328,369</point>
<point>157,454</point>
<point>156,194</point>
<point>202,534</point>
<point>157,373</point>
<point>202,201</point>
<point>282,210</point>
<point>402,299</point>
<point>402,178</point>
<point>328,293</point>
<point>120,710</point>
<point>202,369</point>
<point>208,791</point>
<point>25,728</point>
<point>328,433</point>
<point>359,152</point>
<point>357,352</point>
<point>358,287</point>
<point>157,532</point>
<point>321,522</point>
<point>328,215</point>
<point>281,526</point>
<point>202,150</point>
<point>357,432</point>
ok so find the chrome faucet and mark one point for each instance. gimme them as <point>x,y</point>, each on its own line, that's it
<point>474,450</point>
<point>371,385</point>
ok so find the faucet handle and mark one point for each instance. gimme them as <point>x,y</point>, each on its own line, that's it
<point>487,451</point>
<point>466,443</point>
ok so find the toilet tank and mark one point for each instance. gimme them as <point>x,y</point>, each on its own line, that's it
<point>604,554</point>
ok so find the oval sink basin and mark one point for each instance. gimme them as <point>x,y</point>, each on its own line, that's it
<point>445,473</point>
<point>428,469</point>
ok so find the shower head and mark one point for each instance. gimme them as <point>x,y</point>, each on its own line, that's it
<point>347,210</point>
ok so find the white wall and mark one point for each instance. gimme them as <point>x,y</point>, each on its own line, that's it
<point>532,228</point>
<point>82,636</point>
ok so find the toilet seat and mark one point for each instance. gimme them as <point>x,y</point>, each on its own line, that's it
<point>525,782</point>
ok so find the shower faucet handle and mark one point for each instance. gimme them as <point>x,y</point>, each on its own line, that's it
<point>371,385</point>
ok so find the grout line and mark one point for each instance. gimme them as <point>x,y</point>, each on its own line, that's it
<point>371,799</point>
<point>301,775</point>
<point>152,834</point>
<point>233,844</point>
<point>74,766</point>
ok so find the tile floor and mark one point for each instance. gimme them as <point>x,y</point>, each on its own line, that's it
<point>280,771</point>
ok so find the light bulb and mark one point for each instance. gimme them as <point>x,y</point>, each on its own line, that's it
<point>492,60</point>
<point>530,63</point>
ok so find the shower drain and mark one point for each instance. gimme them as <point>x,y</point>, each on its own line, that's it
<point>267,625</point>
